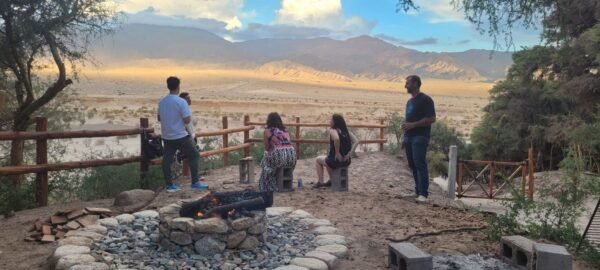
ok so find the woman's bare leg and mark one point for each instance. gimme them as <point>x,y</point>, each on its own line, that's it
<point>328,171</point>
<point>320,170</point>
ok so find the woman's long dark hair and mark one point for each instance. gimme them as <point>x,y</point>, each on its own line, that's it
<point>339,123</point>
<point>274,121</point>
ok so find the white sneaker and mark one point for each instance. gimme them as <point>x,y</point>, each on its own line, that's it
<point>421,198</point>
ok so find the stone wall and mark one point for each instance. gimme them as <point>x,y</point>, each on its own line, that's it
<point>210,236</point>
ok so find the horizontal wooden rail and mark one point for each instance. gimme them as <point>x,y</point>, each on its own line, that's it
<point>260,124</point>
<point>225,150</point>
<point>23,169</point>
<point>486,162</point>
<point>213,152</point>
<point>483,197</point>
<point>36,135</point>
<point>223,131</point>
<point>323,141</point>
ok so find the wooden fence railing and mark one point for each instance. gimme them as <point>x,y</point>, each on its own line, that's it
<point>297,140</point>
<point>42,135</point>
<point>493,177</point>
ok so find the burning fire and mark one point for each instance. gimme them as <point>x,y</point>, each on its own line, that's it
<point>214,201</point>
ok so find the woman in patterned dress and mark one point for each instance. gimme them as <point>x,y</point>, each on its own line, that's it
<point>279,152</point>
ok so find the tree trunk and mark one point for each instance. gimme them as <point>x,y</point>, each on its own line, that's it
<point>16,159</point>
<point>17,151</point>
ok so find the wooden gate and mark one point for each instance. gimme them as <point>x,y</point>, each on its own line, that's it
<point>494,179</point>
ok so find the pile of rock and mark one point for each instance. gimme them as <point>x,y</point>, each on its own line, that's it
<point>294,240</point>
<point>61,223</point>
<point>211,236</point>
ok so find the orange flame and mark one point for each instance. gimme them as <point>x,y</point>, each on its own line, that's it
<point>200,214</point>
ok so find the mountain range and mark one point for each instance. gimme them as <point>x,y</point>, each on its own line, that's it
<point>362,57</point>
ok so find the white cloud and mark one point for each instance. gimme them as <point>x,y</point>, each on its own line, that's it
<point>321,14</point>
<point>227,11</point>
<point>441,11</point>
<point>149,16</point>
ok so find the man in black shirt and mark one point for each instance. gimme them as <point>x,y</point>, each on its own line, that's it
<point>420,114</point>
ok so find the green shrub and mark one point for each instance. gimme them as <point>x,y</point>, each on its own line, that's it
<point>109,181</point>
<point>555,212</point>
<point>16,197</point>
<point>442,137</point>
<point>313,150</point>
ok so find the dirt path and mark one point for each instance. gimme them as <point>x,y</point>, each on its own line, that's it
<point>376,207</point>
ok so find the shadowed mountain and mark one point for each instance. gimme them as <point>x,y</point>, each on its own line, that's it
<point>359,57</point>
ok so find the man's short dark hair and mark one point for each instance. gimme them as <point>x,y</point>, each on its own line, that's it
<point>173,83</point>
<point>415,79</point>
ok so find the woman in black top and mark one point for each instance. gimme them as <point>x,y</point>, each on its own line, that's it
<point>342,144</point>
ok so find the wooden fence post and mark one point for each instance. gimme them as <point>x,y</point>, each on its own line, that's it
<point>298,138</point>
<point>225,143</point>
<point>452,171</point>
<point>41,157</point>
<point>523,177</point>
<point>144,162</point>
<point>491,183</point>
<point>531,177</point>
<point>460,179</point>
<point>246,135</point>
<point>381,135</point>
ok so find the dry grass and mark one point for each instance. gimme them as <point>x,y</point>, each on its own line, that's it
<point>123,95</point>
<point>193,75</point>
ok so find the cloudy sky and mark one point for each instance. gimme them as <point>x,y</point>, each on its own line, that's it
<point>435,27</point>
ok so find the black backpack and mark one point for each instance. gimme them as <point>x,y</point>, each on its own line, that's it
<point>153,147</point>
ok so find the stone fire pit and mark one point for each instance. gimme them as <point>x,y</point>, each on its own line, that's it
<point>210,236</point>
<point>215,222</point>
<point>293,240</point>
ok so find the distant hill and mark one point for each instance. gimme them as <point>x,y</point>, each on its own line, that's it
<point>191,45</point>
<point>359,57</point>
<point>295,70</point>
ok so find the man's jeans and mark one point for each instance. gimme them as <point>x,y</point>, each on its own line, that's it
<point>185,146</point>
<point>416,151</point>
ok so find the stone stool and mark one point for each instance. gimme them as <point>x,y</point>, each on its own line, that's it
<point>285,176</point>
<point>406,256</point>
<point>246,170</point>
<point>339,179</point>
<point>551,257</point>
<point>518,250</point>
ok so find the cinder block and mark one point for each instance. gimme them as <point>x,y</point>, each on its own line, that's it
<point>246,166</point>
<point>285,178</point>
<point>406,256</point>
<point>518,250</point>
<point>551,257</point>
<point>339,179</point>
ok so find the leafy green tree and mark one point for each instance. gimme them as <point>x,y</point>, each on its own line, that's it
<point>550,90</point>
<point>36,34</point>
